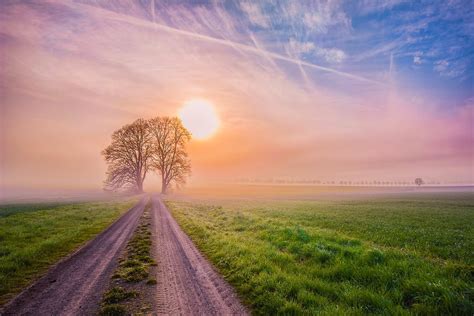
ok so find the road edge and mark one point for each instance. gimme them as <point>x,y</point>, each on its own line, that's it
<point>68,257</point>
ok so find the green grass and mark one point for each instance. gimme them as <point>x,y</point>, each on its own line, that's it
<point>34,236</point>
<point>126,295</point>
<point>406,255</point>
<point>137,260</point>
<point>113,310</point>
<point>10,209</point>
<point>118,294</point>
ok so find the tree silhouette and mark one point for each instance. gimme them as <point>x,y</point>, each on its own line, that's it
<point>170,159</point>
<point>129,157</point>
<point>419,181</point>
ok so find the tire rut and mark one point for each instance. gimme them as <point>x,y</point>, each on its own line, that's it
<point>187,283</point>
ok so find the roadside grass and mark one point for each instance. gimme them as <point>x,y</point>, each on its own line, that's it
<point>128,289</point>
<point>390,256</point>
<point>9,209</point>
<point>35,236</point>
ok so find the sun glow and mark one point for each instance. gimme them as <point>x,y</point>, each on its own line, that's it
<point>200,118</point>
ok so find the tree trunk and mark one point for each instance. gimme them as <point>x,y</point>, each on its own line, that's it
<point>164,186</point>
<point>140,187</point>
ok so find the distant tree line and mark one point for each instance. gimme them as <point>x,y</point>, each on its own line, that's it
<point>417,181</point>
<point>154,145</point>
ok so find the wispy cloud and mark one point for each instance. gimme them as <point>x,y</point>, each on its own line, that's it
<point>371,6</point>
<point>244,47</point>
<point>450,69</point>
<point>326,14</point>
<point>302,49</point>
<point>255,14</point>
<point>384,49</point>
<point>417,58</point>
<point>332,55</point>
<point>297,48</point>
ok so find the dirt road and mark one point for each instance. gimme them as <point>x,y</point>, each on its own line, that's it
<point>75,285</point>
<point>187,283</point>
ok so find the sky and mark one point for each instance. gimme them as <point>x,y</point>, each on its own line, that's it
<point>328,90</point>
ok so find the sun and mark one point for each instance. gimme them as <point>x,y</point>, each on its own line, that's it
<point>200,118</point>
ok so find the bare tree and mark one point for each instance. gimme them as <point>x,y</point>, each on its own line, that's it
<point>129,157</point>
<point>419,181</point>
<point>170,158</point>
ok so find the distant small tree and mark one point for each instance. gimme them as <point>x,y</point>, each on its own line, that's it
<point>170,158</point>
<point>419,181</point>
<point>129,157</point>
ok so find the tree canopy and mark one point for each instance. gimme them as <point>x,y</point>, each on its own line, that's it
<point>170,158</point>
<point>158,144</point>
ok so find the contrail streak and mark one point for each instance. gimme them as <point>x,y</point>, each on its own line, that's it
<point>263,53</point>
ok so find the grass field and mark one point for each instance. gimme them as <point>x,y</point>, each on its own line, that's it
<point>407,254</point>
<point>34,236</point>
